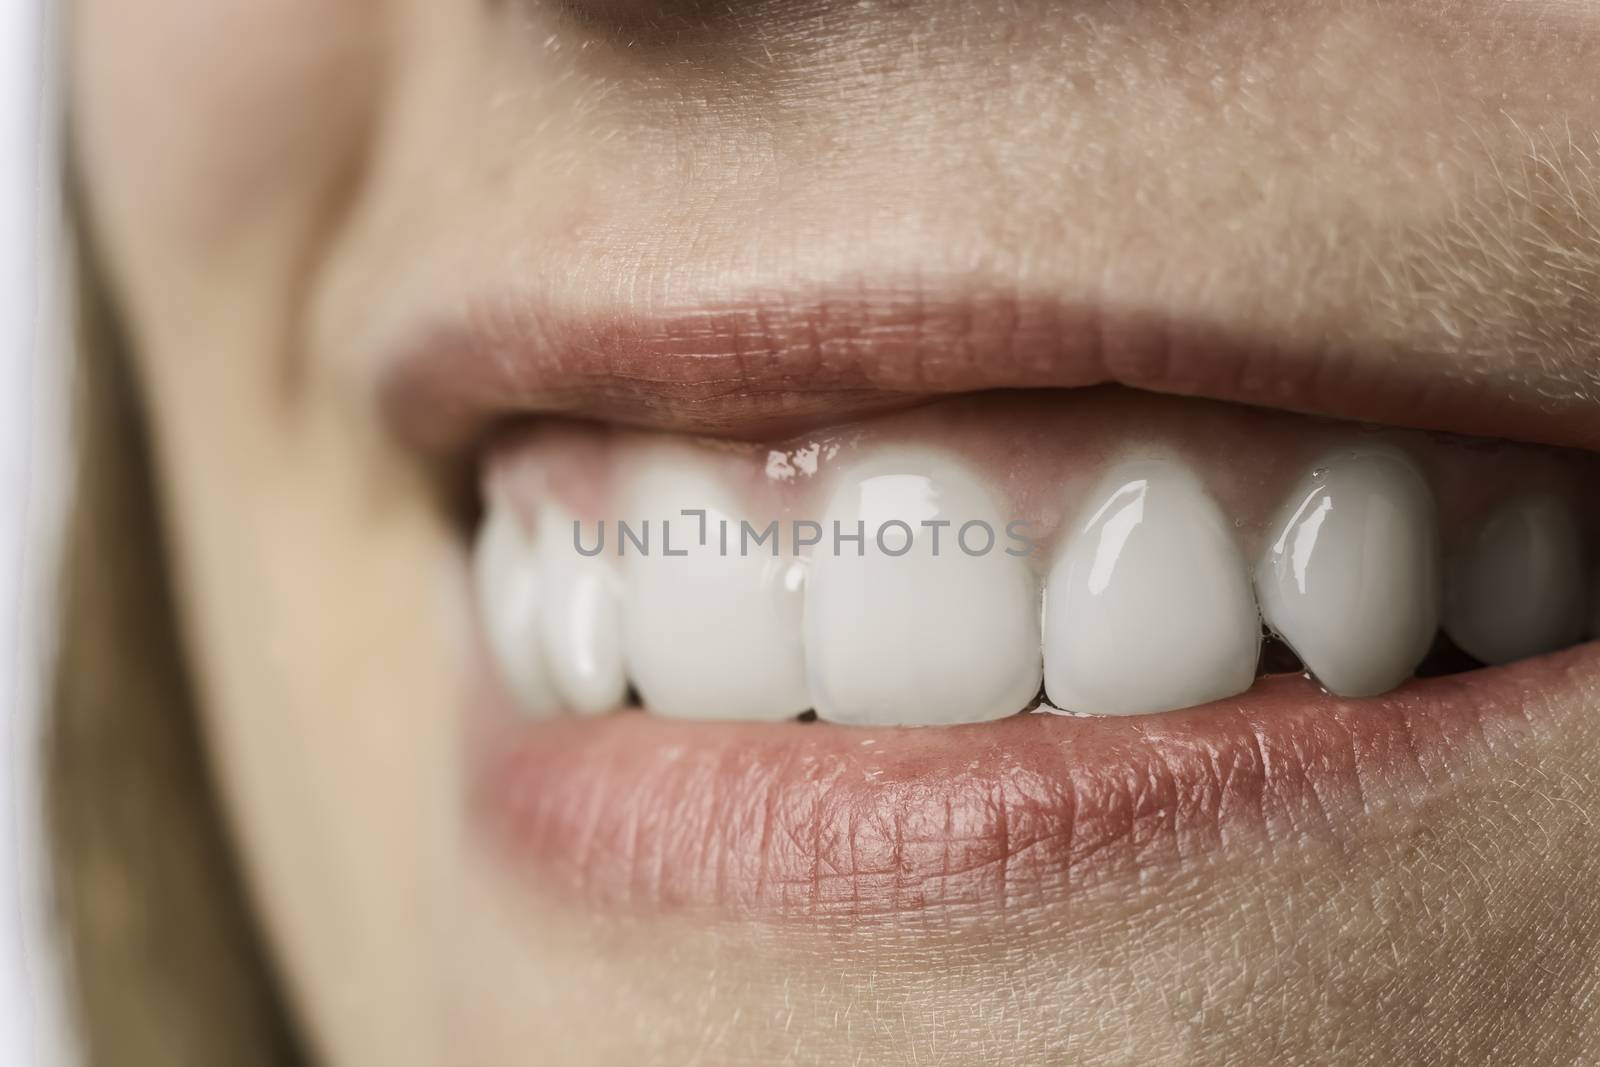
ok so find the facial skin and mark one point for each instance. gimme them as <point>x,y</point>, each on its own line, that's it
<point>1411,188</point>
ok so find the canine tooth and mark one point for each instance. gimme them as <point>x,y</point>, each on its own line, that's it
<point>509,577</point>
<point>709,635</point>
<point>1518,590</point>
<point>1350,577</point>
<point>926,636</point>
<point>581,623</point>
<point>1148,606</point>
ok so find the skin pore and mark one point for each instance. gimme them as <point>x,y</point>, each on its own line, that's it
<point>1407,196</point>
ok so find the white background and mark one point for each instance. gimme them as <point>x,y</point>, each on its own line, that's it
<point>32,365</point>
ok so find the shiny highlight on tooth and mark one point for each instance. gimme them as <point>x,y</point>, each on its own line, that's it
<point>1148,606</point>
<point>1350,576</point>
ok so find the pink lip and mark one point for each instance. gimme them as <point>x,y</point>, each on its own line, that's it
<point>782,365</point>
<point>795,821</point>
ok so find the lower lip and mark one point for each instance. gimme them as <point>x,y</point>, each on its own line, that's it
<point>793,821</point>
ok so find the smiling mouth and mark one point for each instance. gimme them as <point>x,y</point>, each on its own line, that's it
<point>719,574</point>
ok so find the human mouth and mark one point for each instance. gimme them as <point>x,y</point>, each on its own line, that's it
<point>1224,618</point>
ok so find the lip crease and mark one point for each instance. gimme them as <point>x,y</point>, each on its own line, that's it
<point>808,821</point>
<point>781,365</point>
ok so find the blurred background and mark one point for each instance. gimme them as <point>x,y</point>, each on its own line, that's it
<point>33,347</point>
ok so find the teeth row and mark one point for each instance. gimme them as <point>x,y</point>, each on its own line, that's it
<point>1148,604</point>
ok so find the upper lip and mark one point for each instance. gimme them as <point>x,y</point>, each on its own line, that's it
<point>778,365</point>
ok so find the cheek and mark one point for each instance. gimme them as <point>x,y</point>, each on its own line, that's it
<point>196,119</point>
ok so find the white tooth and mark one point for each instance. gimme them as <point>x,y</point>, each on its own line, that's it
<point>919,638</point>
<point>1518,590</point>
<point>710,634</point>
<point>581,622</point>
<point>1350,578</point>
<point>1148,606</point>
<point>509,577</point>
